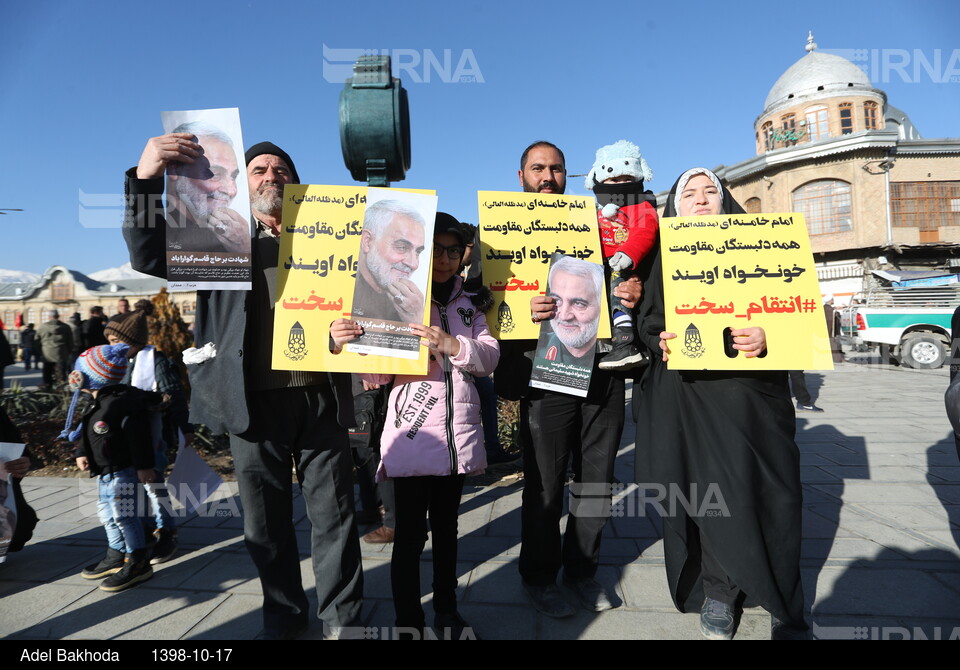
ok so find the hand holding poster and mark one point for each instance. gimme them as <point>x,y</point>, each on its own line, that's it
<point>208,205</point>
<point>519,234</point>
<point>320,268</point>
<point>568,342</point>
<point>728,272</point>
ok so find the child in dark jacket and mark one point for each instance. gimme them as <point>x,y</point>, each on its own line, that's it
<point>115,447</point>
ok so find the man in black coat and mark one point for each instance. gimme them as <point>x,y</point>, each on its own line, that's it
<point>276,418</point>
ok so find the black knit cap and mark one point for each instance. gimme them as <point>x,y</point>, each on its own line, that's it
<point>446,223</point>
<point>273,150</point>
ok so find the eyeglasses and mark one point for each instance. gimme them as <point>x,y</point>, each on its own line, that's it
<point>454,252</point>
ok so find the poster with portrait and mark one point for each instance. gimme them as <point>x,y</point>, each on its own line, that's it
<point>733,271</point>
<point>318,270</point>
<point>208,205</point>
<point>563,361</point>
<point>8,505</point>
<point>393,272</point>
<point>519,234</point>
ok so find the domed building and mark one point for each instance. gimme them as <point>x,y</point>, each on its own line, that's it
<point>875,194</point>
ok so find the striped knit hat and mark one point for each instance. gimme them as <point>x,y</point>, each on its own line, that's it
<point>96,368</point>
<point>100,366</point>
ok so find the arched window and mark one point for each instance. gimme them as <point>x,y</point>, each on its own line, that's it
<point>870,115</point>
<point>846,118</point>
<point>752,205</point>
<point>817,127</point>
<point>766,133</point>
<point>825,204</point>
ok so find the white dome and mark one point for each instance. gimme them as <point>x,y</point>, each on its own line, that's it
<point>816,73</point>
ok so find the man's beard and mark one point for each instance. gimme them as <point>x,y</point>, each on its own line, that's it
<point>268,199</point>
<point>530,188</point>
<point>380,270</point>
<point>197,200</point>
<point>580,339</point>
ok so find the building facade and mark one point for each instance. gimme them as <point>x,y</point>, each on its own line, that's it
<point>874,193</point>
<point>69,292</point>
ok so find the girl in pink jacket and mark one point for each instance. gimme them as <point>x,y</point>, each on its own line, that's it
<point>433,436</point>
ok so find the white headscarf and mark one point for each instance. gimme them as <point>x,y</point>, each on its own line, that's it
<point>686,176</point>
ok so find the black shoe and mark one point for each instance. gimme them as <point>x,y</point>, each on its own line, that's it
<point>781,631</point>
<point>808,408</point>
<point>548,601</point>
<point>291,632</point>
<point>136,568</point>
<point>591,594</point>
<point>451,626</point>
<point>625,354</point>
<point>166,545</point>
<point>111,564</point>
<point>716,620</point>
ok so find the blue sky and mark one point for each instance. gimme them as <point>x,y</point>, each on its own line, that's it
<point>83,82</point>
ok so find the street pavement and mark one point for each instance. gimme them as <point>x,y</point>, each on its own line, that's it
<point>881,551</point>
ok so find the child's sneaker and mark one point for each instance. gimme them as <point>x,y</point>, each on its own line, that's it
<point>136,568</point>
<point>625,354</point>
<point>111,564</point>
<point>165,547</point>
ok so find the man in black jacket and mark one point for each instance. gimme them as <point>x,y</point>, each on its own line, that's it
<point>276,418</point>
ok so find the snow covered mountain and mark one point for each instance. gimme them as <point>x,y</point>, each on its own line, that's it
<point>116,274</point>
<point>17,276</point>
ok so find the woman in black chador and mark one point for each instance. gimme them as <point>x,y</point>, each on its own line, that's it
<point>730,433</point>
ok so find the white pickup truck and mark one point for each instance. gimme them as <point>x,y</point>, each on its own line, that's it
<point>909,320</point>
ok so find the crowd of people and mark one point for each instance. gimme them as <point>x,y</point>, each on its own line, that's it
<point>693,428</point>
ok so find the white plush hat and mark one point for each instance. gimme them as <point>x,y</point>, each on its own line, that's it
<point>620,158</point>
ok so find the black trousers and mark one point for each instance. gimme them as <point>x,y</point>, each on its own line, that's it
<point>559,429</point>
<point>416,499</point>
<point>798,385</point>
<point>297,428</point>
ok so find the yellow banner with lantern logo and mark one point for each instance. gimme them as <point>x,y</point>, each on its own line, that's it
<point>729,272</point>
<point>519,233</point>
<point>316,275</point>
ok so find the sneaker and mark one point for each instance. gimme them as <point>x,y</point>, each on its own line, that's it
<point>165,547</point>
<point>716,620</point>
<point>381,535</point>
<point>808,408</point>
<point>548,601</point>
<point>136,568</point>
<point>625,354</point>
<point>451,626</point>
<point>111,564</point>
<point>591,594</point>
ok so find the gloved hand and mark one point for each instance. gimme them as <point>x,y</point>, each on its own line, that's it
<point>609,211</point>
<point>620,262</point>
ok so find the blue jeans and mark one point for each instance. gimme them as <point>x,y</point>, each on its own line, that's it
<point>117,509</point>
<point>157,493</point>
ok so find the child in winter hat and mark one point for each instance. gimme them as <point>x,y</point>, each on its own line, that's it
<point>628,226</point>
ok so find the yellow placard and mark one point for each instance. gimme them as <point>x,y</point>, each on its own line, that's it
<point>519,233</point>
<point>738,271</point>
<point>319,248</point>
